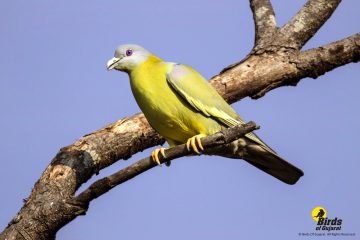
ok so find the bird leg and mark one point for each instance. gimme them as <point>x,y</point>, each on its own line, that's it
<point>193,141</point>
<point>155,155</point>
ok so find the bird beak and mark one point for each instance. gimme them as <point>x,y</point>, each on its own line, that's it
<point>111,64</point>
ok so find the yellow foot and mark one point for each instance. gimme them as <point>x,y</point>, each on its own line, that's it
<point>155,155</point>
<point>193,141</point>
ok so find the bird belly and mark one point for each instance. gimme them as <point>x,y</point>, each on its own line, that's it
<point>177,123</point>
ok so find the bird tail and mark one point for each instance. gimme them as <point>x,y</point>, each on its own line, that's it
<point>268,161</point>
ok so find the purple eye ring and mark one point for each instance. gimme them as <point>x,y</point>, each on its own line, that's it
<point>129,52</point>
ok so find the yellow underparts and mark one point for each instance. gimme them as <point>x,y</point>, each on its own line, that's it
<point>166,111</point>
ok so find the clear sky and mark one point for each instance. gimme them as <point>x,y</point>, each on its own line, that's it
<point>54,88</point>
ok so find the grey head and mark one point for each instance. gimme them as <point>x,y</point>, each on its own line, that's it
<point>127,57</point>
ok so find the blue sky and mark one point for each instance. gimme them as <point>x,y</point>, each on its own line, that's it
<point>54,88</point>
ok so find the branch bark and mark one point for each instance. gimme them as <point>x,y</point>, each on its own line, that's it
<point>275,61</point>
<point>265,70</point>
<point>316,62</point>
<point>264,19</point>
<point>308,21</point>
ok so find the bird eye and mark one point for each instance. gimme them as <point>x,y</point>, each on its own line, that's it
<point>129,52</point>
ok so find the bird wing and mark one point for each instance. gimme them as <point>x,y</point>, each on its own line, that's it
<point>197,91</point>
<point>202,97</point>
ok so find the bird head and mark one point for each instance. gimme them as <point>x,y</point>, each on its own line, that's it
<point>127,57</point>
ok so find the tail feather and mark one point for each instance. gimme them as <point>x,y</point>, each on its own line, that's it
<point>271,163</point>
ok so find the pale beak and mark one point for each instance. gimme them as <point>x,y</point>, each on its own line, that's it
<point>111,64</point>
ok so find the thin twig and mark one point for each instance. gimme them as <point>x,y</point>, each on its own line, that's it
<point>103,185</point>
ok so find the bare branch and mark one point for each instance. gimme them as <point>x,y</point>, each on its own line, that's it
<point>258,74</point>
<point>317,61</point>
<point>103,185</point>
<point>308,21</point>
<point>119,140</point>
<point>264,19</point>
<point>49,206</point>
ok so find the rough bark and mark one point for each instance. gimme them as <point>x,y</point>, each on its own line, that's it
<point>308,21</point>
<point>264,19</point>
<point>276,60</point>
<point>267,69</point>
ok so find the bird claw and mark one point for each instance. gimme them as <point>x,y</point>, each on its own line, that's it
<point>155,155</point>
<point>195,143</point>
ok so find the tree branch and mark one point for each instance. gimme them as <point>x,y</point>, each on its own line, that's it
<point>103,185</point>
<point>318,61</point>
<point>308,21</point>
<point>264,19</point>
<point>49,206</point>
<point>260,73</point>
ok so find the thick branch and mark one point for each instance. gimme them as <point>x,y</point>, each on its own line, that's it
<point>308,21</point>
<point>103,185</point>
<point>264,19</point>
<point>49,207</point>
<point>258,74</point>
